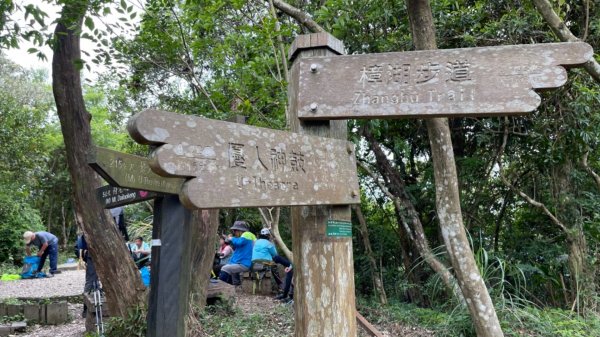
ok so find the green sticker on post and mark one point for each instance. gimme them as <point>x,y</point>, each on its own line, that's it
<point>339,228</point>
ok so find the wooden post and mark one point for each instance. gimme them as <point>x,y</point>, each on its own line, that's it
<point>170,275</point>
<point>324,279</point>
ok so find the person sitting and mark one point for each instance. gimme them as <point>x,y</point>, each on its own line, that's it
<point>264,250</point>
<point>140,251</point>
<point>264,253</point>
<point>47,244</point>
<point>242,254</point>
<point>287,296</point>
<point>223,256</point>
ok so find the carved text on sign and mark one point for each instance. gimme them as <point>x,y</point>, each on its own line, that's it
<point>246,166</point>
<point>453,82</point>
<point>130,171</point>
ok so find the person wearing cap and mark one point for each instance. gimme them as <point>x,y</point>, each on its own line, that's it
<point>47,244</point>
<point>264,250</point>
<point>241,260</point>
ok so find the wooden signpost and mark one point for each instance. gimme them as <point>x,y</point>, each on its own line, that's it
<point>458,82</point>
<point>481,81</point>
<point>171,242</point>
<point>324,301</point>
<point>248,166</point>
<point>214,164</point>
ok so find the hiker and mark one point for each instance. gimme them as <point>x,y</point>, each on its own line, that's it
<point>118,215</point>
<point>264,249</point>
<point>140,251</point>
<point>223,256</point>
<point>287,296</point>
<point>264,255</point>
<point>47,244</point>
<point>241,259</point>
<point>91,278</point>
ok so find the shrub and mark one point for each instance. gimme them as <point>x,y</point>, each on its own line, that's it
<point>16,217</point>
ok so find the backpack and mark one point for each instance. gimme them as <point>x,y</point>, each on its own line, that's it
<point>30,267</point>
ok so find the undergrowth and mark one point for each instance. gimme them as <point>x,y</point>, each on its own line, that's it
<point>225,320</point>
<point>516,320</point>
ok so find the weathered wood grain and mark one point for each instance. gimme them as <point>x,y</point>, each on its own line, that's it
<point>246,166</point>
<point>324,302</point>
<point>452,82</point>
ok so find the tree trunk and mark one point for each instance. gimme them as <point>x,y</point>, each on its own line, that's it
<point>120,279</point>
<point>364,232</point>
<point>471,283</point>
<point>415,245</point>
<point>205,224</point>
<point>581,284</point>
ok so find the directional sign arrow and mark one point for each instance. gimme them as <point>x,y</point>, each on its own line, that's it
<point>112,196</point>
<point>130,171</point>
<point>433,83</point>
<point>236,165</point>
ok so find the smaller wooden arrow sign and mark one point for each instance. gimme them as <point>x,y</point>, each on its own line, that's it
<point>113,196</point>
<point>236,165</point>
<point>130,171</point>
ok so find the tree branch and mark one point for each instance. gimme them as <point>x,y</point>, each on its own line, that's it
<point>584,162</point>
<point>189,63</point>
<point>298,15</point>
<point>272,221</point>
<point>564,33</point>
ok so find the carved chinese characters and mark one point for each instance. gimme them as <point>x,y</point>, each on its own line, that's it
<point>235,165</point>
<point>453,82</point>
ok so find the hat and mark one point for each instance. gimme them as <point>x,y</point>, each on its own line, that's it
<point>28,236</point>
<point>265,231</point>
<point>240,226</point>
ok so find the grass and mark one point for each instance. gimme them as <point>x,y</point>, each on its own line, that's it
<point>516,320</point>
<point>224,320</point>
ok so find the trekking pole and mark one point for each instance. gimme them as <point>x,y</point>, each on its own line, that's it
<point>98,309</point>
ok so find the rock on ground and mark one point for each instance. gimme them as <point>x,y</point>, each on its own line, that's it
<point>75,328</point>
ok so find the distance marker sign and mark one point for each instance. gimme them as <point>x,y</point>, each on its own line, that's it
<point>434,83</point>
<point>130,171</point>
<point>236,165</point>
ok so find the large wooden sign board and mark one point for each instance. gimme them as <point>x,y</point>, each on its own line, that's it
<point>246,166</point>
<point>130,171</point>
<point>434,83</point>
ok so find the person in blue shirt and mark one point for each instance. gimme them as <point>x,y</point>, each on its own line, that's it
<point>241,260</point>
<point>140,251</point>
<point>47,245</point>
<point>264,249</point>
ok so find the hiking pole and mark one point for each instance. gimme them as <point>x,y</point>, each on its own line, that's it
<point>98,309</point>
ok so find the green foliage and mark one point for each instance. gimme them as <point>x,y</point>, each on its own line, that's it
<point>132,325</point>
<point>16,217</point>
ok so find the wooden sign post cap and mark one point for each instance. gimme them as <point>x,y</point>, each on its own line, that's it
<point>314,41</point>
